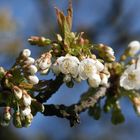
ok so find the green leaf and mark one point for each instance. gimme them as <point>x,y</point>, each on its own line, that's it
<point>117,117</point>
<point>95,111</point>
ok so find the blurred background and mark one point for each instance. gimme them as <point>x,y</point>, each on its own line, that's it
<point>113,22</point>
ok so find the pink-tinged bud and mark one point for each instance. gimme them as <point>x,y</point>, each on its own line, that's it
<point>17,92</point>
<point>81,41</point>
<point>44,62</point>
<point>27,100</point>
<point>32,69</point>
<point>33,79</point>
<point>26,111</point>
<point>26,53</point>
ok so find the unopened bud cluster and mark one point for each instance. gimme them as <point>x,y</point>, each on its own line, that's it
<point>29,69</point>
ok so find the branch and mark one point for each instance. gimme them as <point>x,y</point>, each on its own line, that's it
<point>51,89</point>
<point>72,112</point>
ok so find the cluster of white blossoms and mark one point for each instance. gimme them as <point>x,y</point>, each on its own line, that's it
<point>130,79</point>
<point>28,66</point>
<point>87,69</point>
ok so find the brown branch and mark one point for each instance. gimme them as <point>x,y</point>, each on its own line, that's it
<point>52,87</point>
<point>72,112</point>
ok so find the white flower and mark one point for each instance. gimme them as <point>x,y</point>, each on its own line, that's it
<point>87,68</point>
<point>104,79</point>
<point>94,81</point>
<point>134,47</point>
<point>17,92</point>
<point>26,111</point>
<point>26,53</point>
<point>33,79</point>
<point>68,65</point>
<point>27,100</point>
<point>130,79</point>
<point>32,69</point>
<point>99,65</point>
<point>29,61</point>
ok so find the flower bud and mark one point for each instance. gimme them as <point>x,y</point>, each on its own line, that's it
<point>55,68</point>
<point>99,65</point>
<point>26,111</point>
<point>59,38</point>
<point>7,116</point>
<point>44,62</point>
<point>17,120</point>
<point>67,78</point>
<point>26,53</point>
<point>17,92</point>
<point>27,100</point>
<point>78,79</point>
<point>33,79</point>
<point>2,71</point>
<point>32,69</point>
<point>106,52</point>
<point>29,61</point>
<point>134,47</point>
<point>104,79</point>
<point>4,123</point>
<point>28,120</point>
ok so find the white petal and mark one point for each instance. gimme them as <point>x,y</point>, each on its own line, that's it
<point>17,92</point>
<point>104,79</point>
<point>55,68</point>
<point>99,65</point>
<point>26,111</point>
<point>27,100</point>
<point>87,68</point>
<point>33,79</point>
<point>29,61</point>
<point>95,81</point>
<point>32,69</point>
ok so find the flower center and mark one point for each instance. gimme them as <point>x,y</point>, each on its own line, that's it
<point>131,76</point>
<point>88,68</point>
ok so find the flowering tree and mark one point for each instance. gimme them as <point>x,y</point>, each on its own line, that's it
<point>71,58</point>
